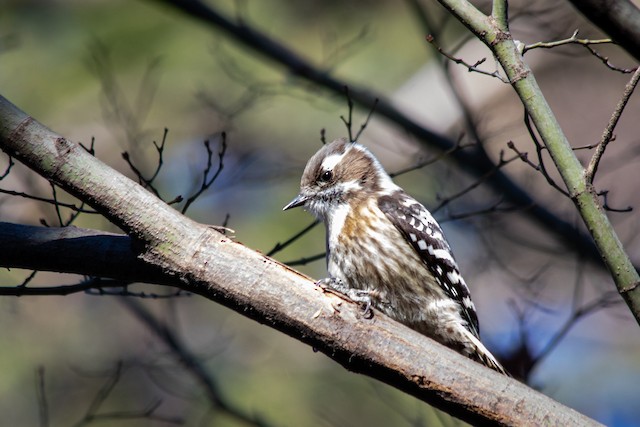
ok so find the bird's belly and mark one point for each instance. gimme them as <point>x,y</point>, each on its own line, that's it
<point>382,262</point>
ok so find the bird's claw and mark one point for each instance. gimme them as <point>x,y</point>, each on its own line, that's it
<point>356,295</point>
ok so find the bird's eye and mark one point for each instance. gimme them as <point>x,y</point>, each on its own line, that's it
<point>326,176</point>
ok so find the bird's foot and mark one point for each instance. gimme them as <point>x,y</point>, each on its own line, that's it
<point>361,296</point>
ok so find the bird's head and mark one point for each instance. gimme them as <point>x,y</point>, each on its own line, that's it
<point>340,173</point>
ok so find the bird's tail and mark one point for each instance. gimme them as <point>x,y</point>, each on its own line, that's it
<point>478,352</point>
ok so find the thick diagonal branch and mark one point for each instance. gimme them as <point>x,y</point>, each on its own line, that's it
<point>201,260</point>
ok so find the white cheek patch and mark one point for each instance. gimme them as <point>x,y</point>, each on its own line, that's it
<point>349,186</point>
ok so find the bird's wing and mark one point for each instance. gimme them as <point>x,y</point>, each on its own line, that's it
<point>423,232</point>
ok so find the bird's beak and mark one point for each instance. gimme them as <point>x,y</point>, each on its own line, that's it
<point>299,200</point>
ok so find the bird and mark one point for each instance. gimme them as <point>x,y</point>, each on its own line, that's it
<point>386,250</point>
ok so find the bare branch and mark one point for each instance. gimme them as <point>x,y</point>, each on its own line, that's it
<point>493,208</point>
<point>90,286</point>
<point>571,40</point>
<point>501,163</point>
<point>91,149</point>
<point>348,122</point>
<point>427,162</point>
<point>148,182</point>
<point>280,246</point>
<point>190,362</point>
<point>607,135</point>
<point>470,67</point>
<point>363,126</point>
<point>92,414</point>
<point>56,204</point>
<point>206,179</point>
<point>8,169</point>
<point>43,407</point>
<point>306,260</point>
<point>586,43</point>
<point>605,61</point>
<point>28,279</point>
<point>605,203</point>
<point>434,25</point>
<point>538,167</point>
<point>621,22</point>
<point>71,206</point>
<point>607,300</point>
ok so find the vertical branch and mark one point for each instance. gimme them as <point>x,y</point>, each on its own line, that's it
<point>43,407</point>
<point>495,35</point>
<point>607,136</point>
<point>500,12</point>
<point>349,120</point>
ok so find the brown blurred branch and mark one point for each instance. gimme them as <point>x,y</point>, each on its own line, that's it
<point>174,250</point>
<point>94,413</point>
<point>191,363</point>
<point>620,19</point>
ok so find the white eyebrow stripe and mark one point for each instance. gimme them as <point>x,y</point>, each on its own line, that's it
<point>331,161</point>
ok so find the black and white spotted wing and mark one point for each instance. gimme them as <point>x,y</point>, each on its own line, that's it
<point>421,230</point>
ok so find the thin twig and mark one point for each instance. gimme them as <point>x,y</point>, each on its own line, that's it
<point>45,200</point>
<point>28,279</point>
<point>306,260</point>
<point>91,286</point>
<point>571,40</point>
<point>91,149</point>
<point>148,182</point>
<point>539,149</point>
<point>493,208</point>
<point>206,179</point>
<point>160,150</point>
<point>104,393</point>
<point>608,300</point>
<point>605,61</point>
<point>8,169</point>
<point>349,120</point>
<point>363,126</point>
<point>56,204</point>
<point>608,131</point>
<point>470,67</point>
<point>432,160</point>
<point>190,362</point>
<point>428,21</point>
<point>525,158</point>
<point>502,162</point>
<point>141,179</point>
<point>280,246</point>
<point>43,406</point>
<point>74,215</point>
<point>605,203</point>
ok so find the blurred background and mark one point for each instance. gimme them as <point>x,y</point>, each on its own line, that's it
<point>119,73</point>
